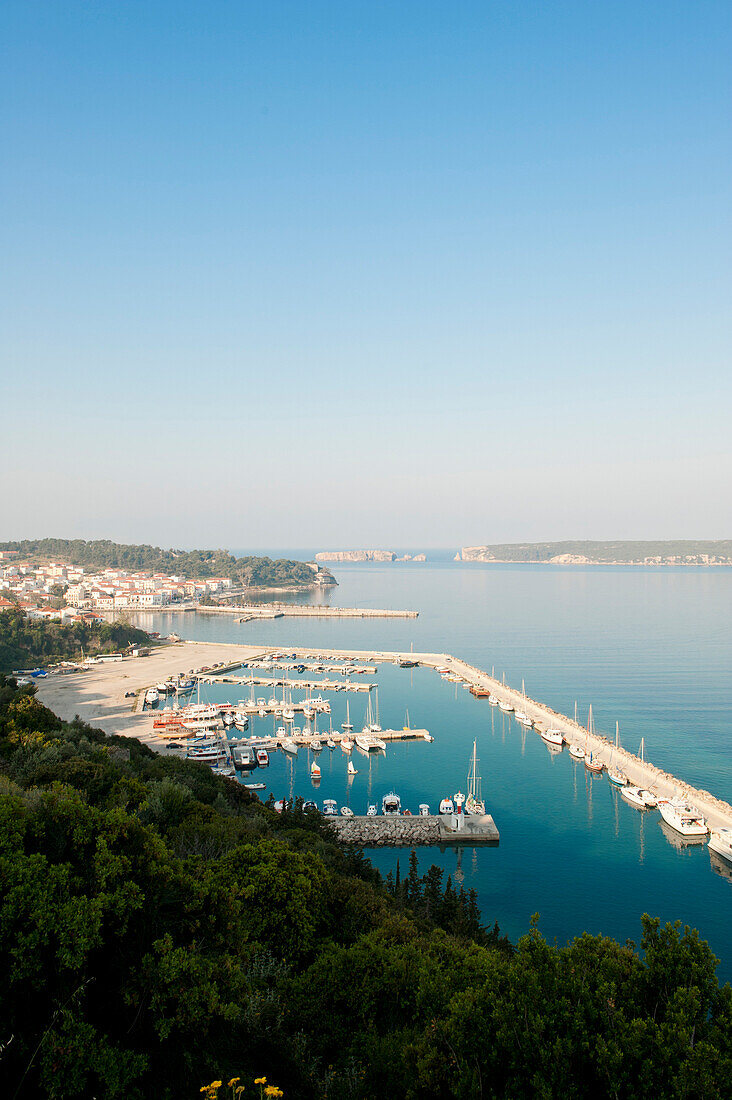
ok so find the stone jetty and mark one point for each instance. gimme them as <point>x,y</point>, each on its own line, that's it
<point>410,832</point>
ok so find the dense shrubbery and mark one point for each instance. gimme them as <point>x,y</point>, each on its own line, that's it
<point>160,928</point>
<point>25,643</point>
<point>194,564</point>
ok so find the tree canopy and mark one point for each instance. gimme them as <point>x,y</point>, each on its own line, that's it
<point>161,928</point>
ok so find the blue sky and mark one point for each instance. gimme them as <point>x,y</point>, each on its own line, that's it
<point>358,273</point>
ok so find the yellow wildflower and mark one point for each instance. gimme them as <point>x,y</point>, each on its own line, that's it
<point>233,1081</point>
<point>260,1080</point>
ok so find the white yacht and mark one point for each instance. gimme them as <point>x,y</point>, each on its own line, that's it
<point>682,817</point>
<point>720,841</point>
<point>639,797</point>
<point>424,810</point>
<point>508,707</point>
<point>391,804</point>
<point>577,752</point>
<point>363,743</point>
<point>553,737</point>
<point>330,807</point>
<point>446,806</point>
<point>493,700</point>
<point>152,695</point>
<point>288,745</point>
<point>346,745</point>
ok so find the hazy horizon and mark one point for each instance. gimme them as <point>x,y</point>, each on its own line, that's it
<point>362,275</point>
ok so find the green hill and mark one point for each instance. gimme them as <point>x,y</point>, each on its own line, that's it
<point>161,929</point>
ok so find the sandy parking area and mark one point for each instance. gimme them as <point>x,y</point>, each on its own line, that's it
<point>98,696</point>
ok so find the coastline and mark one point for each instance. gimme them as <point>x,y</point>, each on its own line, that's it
<point>98,697</point>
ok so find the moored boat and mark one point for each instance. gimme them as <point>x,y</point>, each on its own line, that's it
<point>351,770</point>
<point>424,810</point>
<point>315,770</point>
<point>447,806</point>
<point>554,737</point>
<point>152,696</point>
<point>330,807</point>
<point>391,804</point>
<point>720,841</point>
<point>262,758</point>
<point>346,811</point>
<point>683,817</point>
<point>639,797</point>
<point>593,764</point>
<point>577,752</point>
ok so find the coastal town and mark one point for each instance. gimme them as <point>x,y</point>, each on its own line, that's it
<point>60,590</point>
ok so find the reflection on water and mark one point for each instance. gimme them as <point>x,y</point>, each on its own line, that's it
<point>582,858</point>
<point>678,841</point>
<point>720,866</point>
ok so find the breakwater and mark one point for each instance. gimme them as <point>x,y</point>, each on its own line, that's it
<point>303,611</point>
<point>409,832</point>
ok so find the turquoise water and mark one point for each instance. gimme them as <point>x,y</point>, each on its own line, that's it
<point>649,648</point>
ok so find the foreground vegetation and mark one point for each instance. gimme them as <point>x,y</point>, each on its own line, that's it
<point>27,643</point>
<point>193,564</point>
<point>160,929</point>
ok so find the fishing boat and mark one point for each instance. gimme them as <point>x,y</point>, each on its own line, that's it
<point>447,806</point>
<point>474,804</point>
<point>262,758</point>
<point>720,841</point>
<point>577,752</point>
<point>424,810</point>
<point>315,770</point>
<point>330,807</point>
<point>639,797</point>
<point>346,811</point>
<point>162,687</point>
<point>391,804</point>
<point>350,769</point>
<point>554,737</point>
<point>152,695</point>
<point>682,817</point>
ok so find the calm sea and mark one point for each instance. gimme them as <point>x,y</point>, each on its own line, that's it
<point>648,648</point>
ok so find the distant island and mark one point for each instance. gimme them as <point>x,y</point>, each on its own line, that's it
<point>656,552</point>
<point>366,555</point>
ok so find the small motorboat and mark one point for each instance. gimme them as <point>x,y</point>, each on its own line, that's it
<point>255,786</point>
<point>553,737</point>
<point>346,811</point>
<point>316,745</point>
<point>152,696</point>
<point>639,797</point>
<point>288,745</point>
<point>309,805</point>
<point>330,807</point>
<point>447,806</point>
<point>262,758</point>
<point>347,745</point>
<point>577,752</point>
<point>330,743</point>
<point>424,810</point>
<point>493,700</point>
<point>371,812</point>
<point>508,707</point>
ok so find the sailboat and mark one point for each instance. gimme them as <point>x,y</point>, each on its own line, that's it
<point>520,715</point>
<point>591,763</point>
<point>639,796</point>
<point>616,777</point>
<point>474,804</point>
<point>351,769</point>
<point>348,724</point>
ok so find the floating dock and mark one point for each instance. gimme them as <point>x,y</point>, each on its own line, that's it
<point>409,832</point>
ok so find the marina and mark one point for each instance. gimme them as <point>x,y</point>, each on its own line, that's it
<point>543,799</point>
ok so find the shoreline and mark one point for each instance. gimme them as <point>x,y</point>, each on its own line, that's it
<point>97,696</point>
